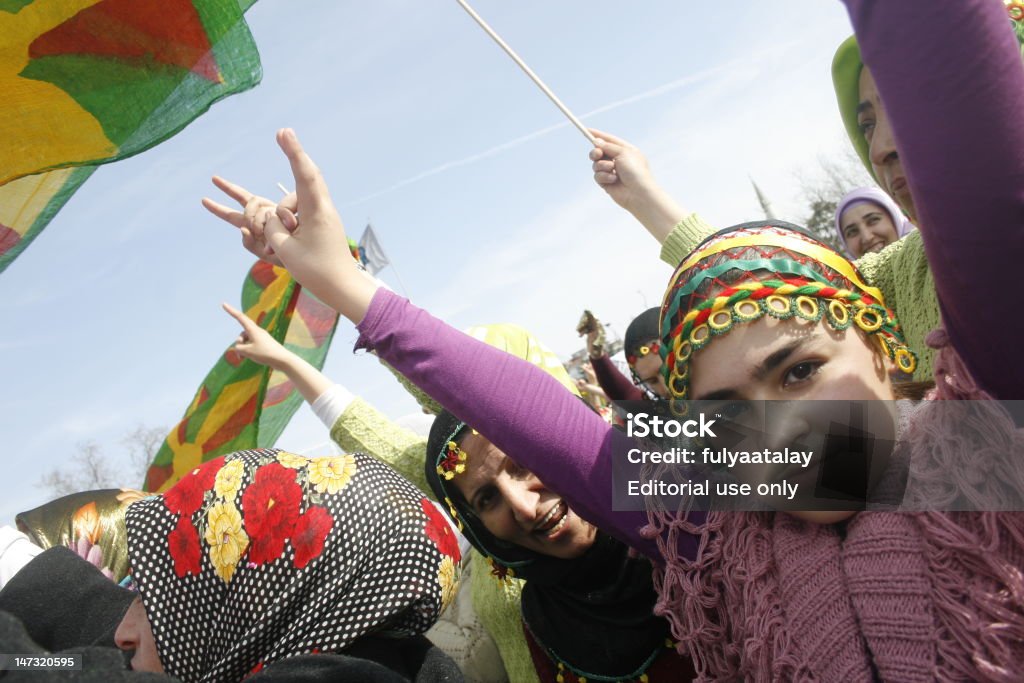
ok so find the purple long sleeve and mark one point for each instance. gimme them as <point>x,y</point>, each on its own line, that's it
<point>951,78</point>
<point>520,408</point>
<point>616,386</point>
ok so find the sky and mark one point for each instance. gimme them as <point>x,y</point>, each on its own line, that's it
<point>478,188</point>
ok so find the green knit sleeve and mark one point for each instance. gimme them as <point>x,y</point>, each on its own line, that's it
<point>497,605</point>
<point>687,234</point>
<point>901,272</point>
<point>361,428</point>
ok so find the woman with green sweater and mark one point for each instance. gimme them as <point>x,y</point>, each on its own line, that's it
<point>900,270</point>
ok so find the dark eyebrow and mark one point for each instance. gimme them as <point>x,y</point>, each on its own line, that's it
<point>777,358</point>
<point>864,105</point>
<point>762,370</point>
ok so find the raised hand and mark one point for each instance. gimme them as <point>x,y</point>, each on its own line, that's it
<point>621,169</point>
<point>313,247</point>
<point>252,219</point>
<point>256,344</point>
<point>623,172</point>
<point>259,346</point>
<point>594,330</point>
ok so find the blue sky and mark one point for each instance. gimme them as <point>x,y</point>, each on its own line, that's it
<point>479,190</point>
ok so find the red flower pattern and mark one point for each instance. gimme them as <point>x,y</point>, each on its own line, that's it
<point>440,532</point>
<point>311,531</point>
<point>185,497</point>
<point>183,544</point>
<point>270,507</point>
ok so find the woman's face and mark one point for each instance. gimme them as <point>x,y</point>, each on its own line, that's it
<point>648,373</point>
<point>885,160</point>
<point>795,359</point>
<point>867,227</point>
<point>515,506</point>
<point>134,633</point>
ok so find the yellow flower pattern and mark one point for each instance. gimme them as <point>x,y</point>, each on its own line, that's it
<point>446,576</point>
<point>292,461</point>
<point>226,538</point>
<point>330,475</point>
<point>228,479</point>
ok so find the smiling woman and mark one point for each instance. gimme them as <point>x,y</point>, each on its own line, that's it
<point>868,220</point>
<point>587,605</point>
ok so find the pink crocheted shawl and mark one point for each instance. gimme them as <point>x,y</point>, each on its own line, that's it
<point>909,597</point>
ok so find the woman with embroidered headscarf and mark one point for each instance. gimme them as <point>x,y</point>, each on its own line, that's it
<point>587,601</point>
<point>640,345</point>
<point>270,565</point>
<point>868,220</point>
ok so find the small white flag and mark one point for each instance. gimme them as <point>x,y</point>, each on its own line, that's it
<point>372,252</point>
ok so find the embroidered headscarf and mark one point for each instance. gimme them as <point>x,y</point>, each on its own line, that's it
<point>261,555</point>
<point>875,196</point>
<point>593,615</point>
<point>745,272</point>
<point>641,340</point>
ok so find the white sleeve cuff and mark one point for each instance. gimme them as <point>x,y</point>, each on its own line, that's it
<point>16,550</point>
<point>329,405</point>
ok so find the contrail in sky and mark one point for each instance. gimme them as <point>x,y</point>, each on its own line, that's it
<point>654,92</point>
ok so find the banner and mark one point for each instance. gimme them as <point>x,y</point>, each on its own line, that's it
<point>242,404</point>
<point>88,82</point>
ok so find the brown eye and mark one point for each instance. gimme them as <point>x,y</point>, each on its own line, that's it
<point>801,372</point>
<point>484,500</point>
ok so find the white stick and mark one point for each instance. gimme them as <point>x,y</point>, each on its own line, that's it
<point>284,189</point>
<point>527,70</point>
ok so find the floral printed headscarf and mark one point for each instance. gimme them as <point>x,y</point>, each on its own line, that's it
<point>261,555</point>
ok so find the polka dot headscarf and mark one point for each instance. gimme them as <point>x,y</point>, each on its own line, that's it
<point>261,555</point>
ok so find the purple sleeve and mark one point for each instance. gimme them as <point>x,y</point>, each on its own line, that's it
<point>520,408</point>
<point>616,386</point>
<point>951,78</point>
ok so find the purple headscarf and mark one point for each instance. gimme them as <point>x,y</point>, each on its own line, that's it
<point>875,196</point>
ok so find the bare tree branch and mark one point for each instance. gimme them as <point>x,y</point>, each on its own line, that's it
<point>825,186</point>
<point>89,468</point>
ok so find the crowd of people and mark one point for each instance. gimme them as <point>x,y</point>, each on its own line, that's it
<point>268,566</point>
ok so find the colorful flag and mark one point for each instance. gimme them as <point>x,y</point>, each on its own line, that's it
<point>242,404</point>
<point>371,252</point>
<point>353,248</point>
<point>87,82</point>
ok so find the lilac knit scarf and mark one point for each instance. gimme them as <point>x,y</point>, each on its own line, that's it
<point>912,596</point>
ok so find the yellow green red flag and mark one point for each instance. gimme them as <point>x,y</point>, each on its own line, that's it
<point>87,82</point>
<point>242,404</point>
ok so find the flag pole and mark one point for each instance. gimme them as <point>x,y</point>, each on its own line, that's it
<point>400,283</point>
<point>527,70</point>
